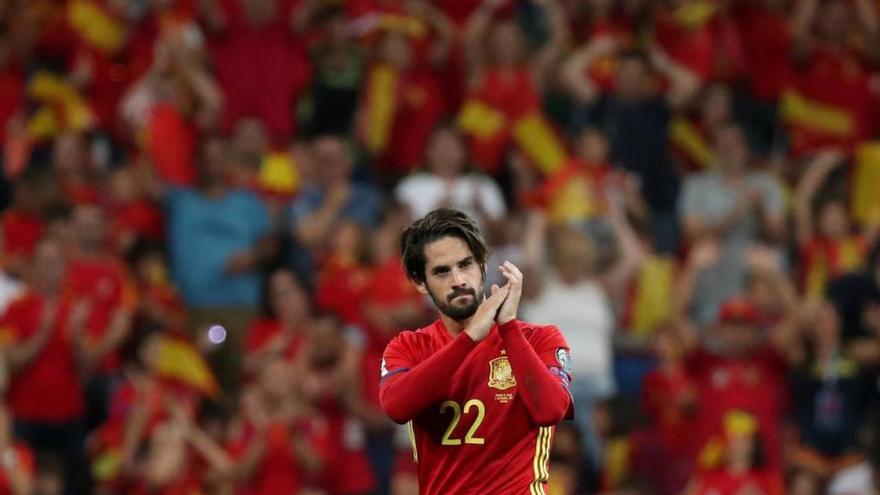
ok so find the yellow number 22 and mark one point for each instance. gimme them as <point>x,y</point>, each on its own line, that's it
<point>469,438</point>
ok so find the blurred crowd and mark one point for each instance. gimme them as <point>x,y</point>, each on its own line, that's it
<point>202,202</point>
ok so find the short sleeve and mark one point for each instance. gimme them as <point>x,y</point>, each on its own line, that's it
<point>397,358</point>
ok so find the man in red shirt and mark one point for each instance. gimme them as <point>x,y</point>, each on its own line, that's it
<point>99,281</point>
<point>481,390</point>
<point>44,357</point>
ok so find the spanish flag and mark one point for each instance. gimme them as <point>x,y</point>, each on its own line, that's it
<point>380,102</point>
<point>690,144</point>
<point>824,259</point>
<point>400,110</point>
<point>826,103</point>
<point>650,297</point>
<point>866,184</point>
<point>278,174</point>
<point>178,361</point>
<point>506,109</point>
<point>60,107</point>
<point>96,26</point>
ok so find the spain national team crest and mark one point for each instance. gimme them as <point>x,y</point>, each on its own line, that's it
<point>501,374</point>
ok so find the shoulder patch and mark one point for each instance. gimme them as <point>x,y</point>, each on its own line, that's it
<point>564,359</point>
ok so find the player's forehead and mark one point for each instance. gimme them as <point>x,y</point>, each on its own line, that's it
<point>446,251</point>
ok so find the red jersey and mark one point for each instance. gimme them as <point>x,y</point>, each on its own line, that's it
<point>756,384</point>
<point>49,388</point>
<point>104,281</point>
<point>21,231</point>
<point>480,437</point>
<point>728,483</point>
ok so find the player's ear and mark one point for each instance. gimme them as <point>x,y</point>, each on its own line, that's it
<point>420,286</point>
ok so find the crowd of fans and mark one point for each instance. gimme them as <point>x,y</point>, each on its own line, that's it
<point>203,200</point>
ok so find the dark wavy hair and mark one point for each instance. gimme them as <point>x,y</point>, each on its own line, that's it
<point>440,223</point>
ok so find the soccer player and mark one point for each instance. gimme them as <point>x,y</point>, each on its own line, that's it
<point>480,389</point>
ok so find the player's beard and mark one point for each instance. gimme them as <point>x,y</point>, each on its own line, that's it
<point>458,312</point>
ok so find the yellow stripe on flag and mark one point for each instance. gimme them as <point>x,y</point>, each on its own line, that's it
<point>817,275</point>
<point>572,202</point>
<point>694,15</point>
<point>179,360</point>
<point>653,294</point>
<point>408,25</point>
<point>95,26</point>
<point>480,120</point>
<point>62,107</point>
<point>617,462</point>
<point>866,184</point>
<point>686,137</point>
<point>540,143</point>
<point>278,173</point>
<point>800,111</point>
<point>381,102</point>
<point>850,256</point>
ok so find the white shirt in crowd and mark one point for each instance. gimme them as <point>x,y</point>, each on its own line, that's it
<point>583,313</point>
<point>423,192</point>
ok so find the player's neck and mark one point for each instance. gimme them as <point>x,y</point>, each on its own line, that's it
<point>454,327</point>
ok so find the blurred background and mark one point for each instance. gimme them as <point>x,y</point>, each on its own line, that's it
<point>202,201</point>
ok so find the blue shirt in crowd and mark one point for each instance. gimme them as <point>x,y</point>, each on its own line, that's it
<point>203,234</point>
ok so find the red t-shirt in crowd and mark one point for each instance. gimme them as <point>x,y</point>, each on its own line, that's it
<point>11,93</point>
<point>664,398</point>
<point>21,231</point>
<point>140,219</point>
<point>341,285</point>
<point>767,41</point>
<point>724,482</point>
<point>171,144</point>
<point>265,330</point>
<point>280,470</point>
<point>262,70</point>
<point>104,281</point>
<point>48,389</point>
<point>755,384</point>
<point>481,439</point>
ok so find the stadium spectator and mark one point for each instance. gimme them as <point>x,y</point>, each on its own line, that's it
<point>280,331</point>
<point>218,238</point>
<point>260,61</point>
<point>829,390</point>
<point>732,206</point>
<point>332,197</point>
<point>45,329</point>
<point>570,289</point>
<point>448,181</point>
<point>99,281</point>
<point>828,244</point>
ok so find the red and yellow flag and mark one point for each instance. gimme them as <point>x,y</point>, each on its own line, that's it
<point>380,102</point>
<point>99,28</point>
<point>825,259</point>
<point>177,360</point>
<point>506,110</point>
<point>689,142</point>
<point>61,109</point>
